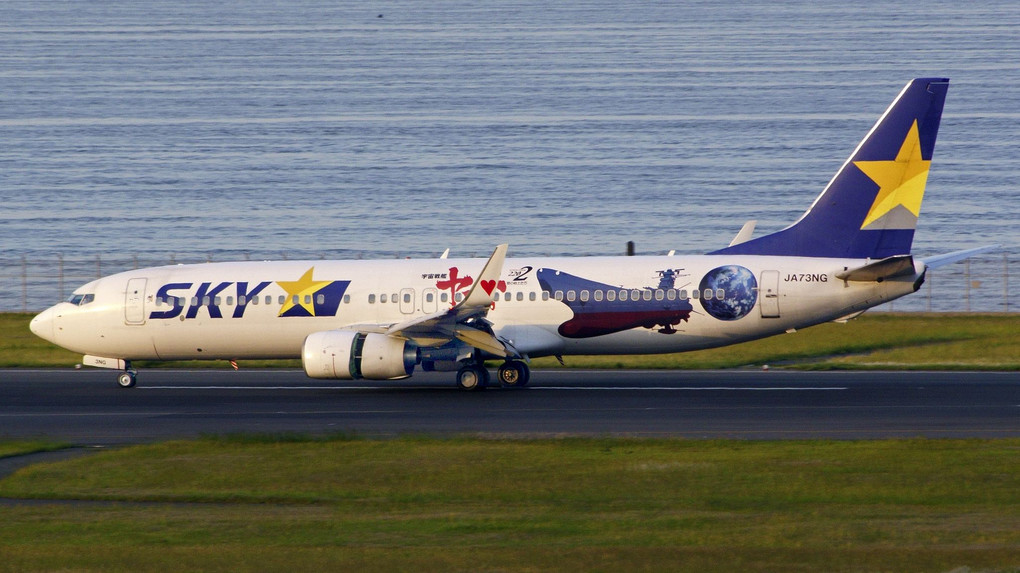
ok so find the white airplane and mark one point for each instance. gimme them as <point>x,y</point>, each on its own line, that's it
<point>380,319</point>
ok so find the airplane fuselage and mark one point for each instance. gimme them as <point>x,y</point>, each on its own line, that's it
<point>639,305</point>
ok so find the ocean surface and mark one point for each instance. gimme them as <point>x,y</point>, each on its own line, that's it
<point>142,132</point>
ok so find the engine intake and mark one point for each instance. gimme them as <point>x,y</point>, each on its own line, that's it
<point>348,355</point>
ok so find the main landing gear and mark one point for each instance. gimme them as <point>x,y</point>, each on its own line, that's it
<point>511,374</point>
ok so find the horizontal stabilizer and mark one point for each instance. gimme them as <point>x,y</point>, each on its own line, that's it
<point>744,235</point>
<point>949,258</point>
<point>898,266</point>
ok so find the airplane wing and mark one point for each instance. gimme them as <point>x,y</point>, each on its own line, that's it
<point>457,322</point>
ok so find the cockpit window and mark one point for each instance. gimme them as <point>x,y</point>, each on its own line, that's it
<point>81,299</point>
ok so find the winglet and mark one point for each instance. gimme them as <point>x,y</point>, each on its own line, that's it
<point>483,292</point>
<point>744,235</point>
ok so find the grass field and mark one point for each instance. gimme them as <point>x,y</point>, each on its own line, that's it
<point>877,341</point>
<point>286,503</point>
<point>290,502</point>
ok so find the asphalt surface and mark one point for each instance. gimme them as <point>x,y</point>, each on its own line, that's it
<point>87,407</point>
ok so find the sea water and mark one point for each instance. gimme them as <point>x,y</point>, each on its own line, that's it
<point>140,132</point>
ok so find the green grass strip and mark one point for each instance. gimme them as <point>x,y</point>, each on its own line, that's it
<point>294,503</point>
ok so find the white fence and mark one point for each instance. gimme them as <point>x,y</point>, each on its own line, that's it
<point>980,284</point>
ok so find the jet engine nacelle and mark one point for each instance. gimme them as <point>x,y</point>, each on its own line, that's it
<point>348,355</point>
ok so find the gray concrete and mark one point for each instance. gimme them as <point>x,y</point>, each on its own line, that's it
<point>87,407</point>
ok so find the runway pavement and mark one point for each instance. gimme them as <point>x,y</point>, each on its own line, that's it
<point>87,407</point>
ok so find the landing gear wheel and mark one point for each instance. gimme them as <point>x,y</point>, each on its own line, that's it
<point>513,374</point>
<point>127,379</point>
<point>472,377</point>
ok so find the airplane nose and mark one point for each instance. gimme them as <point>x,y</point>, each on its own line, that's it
<point>42,325</point>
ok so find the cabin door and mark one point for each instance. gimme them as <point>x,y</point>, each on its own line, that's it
<point>134,302</point>
<point>768,294</point>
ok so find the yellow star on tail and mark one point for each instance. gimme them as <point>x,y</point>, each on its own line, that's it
<point>301,288</point>
<point>900,182</point>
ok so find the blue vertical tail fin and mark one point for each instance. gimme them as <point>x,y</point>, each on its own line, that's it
<point>870,207</point>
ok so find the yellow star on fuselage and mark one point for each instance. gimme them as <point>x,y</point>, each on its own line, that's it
<point>900,181</point>
<point>303,288</point>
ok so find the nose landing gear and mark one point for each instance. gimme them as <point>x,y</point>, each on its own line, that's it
<point>128,378</point>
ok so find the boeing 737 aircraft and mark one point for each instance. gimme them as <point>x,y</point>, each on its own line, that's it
<point>380,320</point>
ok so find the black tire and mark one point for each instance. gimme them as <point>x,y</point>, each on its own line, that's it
<point>513,374</point>
<point>472,378</point>
<point>127,379</point>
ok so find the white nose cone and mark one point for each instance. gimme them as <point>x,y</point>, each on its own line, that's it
<point>42,325</point>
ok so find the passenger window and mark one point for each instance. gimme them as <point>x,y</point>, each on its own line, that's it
<point>393,298</point>
<point>598,295</point>
<point>283,299</point>
<point>296,299</point>
<point>545,295</point>
<point>671,294</point>
<point>695,294</point>
<point>382,298</point>
<point>635,295</point>
<point>407,297</point>
<point>558,295</point>
<point>444,298</point>
<point>520,296</point>
<point>532,296</point>
<point>659,295</point>
<point>720,293</point>
<point>194,301</point>
<point>683,294</point>
<point>320,299</point>
<point>459,297</point>
<point>610,295</point>
<point>707,295</point>
<point>506,296</point>
<point>584,296</point>
<point>646,295</point>
<point>571,296</point>
<point>429,297</point>
<point>623,296</point>
<point>347,299</point>
<point>216,301</point>
<point>254,300</point>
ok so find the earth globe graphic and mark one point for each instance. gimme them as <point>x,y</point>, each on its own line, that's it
<point>741,291</point>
